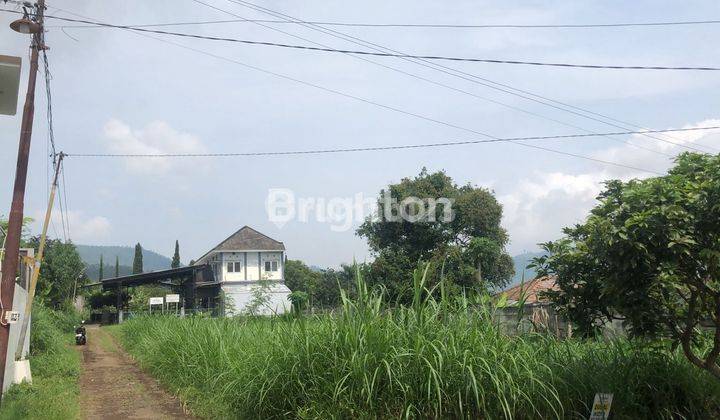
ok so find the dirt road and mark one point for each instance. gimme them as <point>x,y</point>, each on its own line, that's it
<point>112,386</point>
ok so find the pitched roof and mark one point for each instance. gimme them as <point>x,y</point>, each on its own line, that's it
<point>246,239</point>
<point>530,290</point>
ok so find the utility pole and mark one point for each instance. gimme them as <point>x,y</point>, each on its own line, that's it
<point>33,26</point>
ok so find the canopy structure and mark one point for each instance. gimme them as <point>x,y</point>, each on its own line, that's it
<point>194,283</point>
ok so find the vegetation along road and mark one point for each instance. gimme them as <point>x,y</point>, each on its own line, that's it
<point>112,386</point>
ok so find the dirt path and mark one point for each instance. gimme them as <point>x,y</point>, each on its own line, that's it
<point>112,386</point>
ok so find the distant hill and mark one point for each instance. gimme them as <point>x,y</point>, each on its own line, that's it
<point>90,254</point>
<point>93,270</point>
<point>521,261</point>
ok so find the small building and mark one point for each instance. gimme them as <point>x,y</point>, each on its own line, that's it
<point>250,268</point>
<point>531,292</point>
<point>527,308</point>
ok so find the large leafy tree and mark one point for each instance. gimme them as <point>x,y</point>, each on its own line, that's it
<point>300,278</point>
<point>649,253</point>
<point>322,287</point>
<point>61,272</point>
<point>138,260</point>
<point>469,248</point>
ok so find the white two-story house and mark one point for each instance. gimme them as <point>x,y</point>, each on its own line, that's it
<point>241,261</point>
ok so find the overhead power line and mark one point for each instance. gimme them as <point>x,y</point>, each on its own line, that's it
<point>426,25</point>
<point>366,101</point>
<point>440,68</point>
<point>381,54</point>
<point>386,148</point>
<point>456,73</point>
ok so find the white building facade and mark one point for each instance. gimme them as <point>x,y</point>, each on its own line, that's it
<point>250,267</point>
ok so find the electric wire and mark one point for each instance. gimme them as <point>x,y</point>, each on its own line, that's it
<point>383,148</point>
<point>436,83</point>
<point>49,112</point>
<point>430,25</point>
<point>456,73</point>
<point>67,211</point>
<point>380,54</point>
<point>341,35</point>
<point>62,214</point>
<point>380,105</point>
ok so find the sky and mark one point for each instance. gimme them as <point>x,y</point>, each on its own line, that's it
<point>114,91</point>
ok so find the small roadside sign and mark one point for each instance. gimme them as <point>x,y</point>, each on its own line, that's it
<point>12,317</point>
<point>156,301</point>
<point>601,406</point>
<point>172,298</point>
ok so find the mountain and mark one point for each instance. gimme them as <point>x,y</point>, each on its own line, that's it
<point>93,270</point>
<point>521,261</point>
<point>90,254</point>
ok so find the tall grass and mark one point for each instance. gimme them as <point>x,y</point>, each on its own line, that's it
<point>431,359</point>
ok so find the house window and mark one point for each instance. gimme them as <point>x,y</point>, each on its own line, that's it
<point>271,266</point>
<point>234,267</point>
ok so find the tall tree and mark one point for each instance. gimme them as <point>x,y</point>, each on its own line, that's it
<point>649,254</point>
<point>176,256</point>
<point>100,273</point>
<point>460,235</point>
<point>61,268</point>
<point>138,260</point>
<point>117,266</point>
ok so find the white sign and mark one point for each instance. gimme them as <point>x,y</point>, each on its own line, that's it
<point>172,298</point>
<point>156,301</point>
<point>9,84</point>
<point>601,406</point>
<point>11,317</point>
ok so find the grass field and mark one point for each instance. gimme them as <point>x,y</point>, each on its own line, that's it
<point>429,360</point>
<point>54,392</point>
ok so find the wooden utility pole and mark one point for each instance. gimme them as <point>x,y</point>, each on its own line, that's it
<point>14,232</point>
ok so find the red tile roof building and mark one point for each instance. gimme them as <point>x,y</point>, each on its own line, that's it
<point>531,290</point>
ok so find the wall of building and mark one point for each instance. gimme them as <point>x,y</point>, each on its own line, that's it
<point>241,298</point>
<point>245,275</point>
<point>252,266</point>
<point>233,267</point>
<point>275,259</point>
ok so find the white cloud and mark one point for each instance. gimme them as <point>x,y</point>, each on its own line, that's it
<point>82,228</point>
<point>536,209</point>
<point>540,207</point>
<point>156,138</point>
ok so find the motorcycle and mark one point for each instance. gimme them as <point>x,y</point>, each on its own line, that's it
<point>80,336</point>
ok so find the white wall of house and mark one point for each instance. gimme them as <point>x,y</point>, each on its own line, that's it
<point>239,273</point>
<point>271,265</point>
<point>233,267</point>
<point>241,296</point>
<point>253,266</point>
